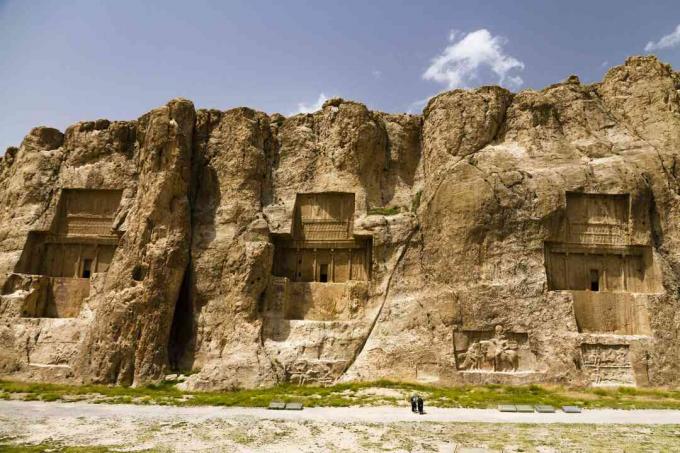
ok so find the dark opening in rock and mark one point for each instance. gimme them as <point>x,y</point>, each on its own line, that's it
<point>138,273</point>
<point>182,330</point>
<point>594,280</point>
<point>323,272</point>
<point>87,268</point>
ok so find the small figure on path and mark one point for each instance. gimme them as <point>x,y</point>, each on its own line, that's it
<point>414,403</point>
<point>421,405</point>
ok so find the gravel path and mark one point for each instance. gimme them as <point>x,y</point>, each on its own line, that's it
<point>117,427</point>
<point>380,414</point>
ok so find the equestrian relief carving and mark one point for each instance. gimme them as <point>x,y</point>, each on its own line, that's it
<point>491,351</point>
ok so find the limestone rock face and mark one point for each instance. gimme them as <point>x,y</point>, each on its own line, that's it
<point>230,263</point>
<point>498,237</point>
<point>135,308</point>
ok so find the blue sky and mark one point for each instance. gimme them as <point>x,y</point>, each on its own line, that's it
<point>66,61</point>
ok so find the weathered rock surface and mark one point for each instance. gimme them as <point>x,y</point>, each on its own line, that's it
<point>135,308</point>
<point>480,213</point>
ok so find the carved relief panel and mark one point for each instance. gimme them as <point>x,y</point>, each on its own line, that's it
<point>492,351</point>
<point>597,218</point>
<point>607,364</point>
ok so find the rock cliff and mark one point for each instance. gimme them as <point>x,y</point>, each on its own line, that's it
<point>498,237</point>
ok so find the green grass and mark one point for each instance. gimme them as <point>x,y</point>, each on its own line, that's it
<point>350,394</point>
<point>43,447</point>
<point>405,436</point>
<point>385,211</point>
<point>415,204</point>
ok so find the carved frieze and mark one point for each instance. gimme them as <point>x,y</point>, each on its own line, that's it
<point>607,364</point>
<point>492,351</point>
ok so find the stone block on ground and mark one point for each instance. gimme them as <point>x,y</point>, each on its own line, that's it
<point>277,405</point>
<point>507,408</point>
<point>524,408</point>
<point>571,409</point>
<point>545,409</point>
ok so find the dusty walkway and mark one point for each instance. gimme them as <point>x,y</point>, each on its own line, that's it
<point>366,429</point>
<point>379,414</point>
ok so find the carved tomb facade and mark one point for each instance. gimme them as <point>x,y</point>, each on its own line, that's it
<point>56,264</point>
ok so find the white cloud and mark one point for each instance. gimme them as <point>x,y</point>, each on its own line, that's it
<point>376,73</point>
<point>604,64</point>
<point>453,34</point>
<point>461,62</point>
<point>310,108</point>
<point>514,82</point>
<point>666,42</point>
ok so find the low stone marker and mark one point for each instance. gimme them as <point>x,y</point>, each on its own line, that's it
<point>277,405</point>
<point>293,406</point>
<point>524,408</point>
<point>571,409</point>
<point>507,408</point>
<point>545,409</point>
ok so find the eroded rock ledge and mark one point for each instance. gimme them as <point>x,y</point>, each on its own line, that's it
<point>497,237</point>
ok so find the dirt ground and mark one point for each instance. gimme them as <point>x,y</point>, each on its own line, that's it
<point>160,428</point>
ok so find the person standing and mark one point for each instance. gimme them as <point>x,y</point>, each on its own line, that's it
<point>421,405</point>
<point>414,403</point>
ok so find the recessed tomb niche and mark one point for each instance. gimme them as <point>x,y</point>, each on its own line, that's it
<point>316,261</point>
<point>593,257</point>
<point>80,243</point>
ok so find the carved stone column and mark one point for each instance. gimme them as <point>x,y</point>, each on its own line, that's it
<point>315,265</point>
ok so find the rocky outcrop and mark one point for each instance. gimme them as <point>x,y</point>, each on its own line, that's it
<point>230,252</point>
<point>134,309</point>
<point>509,237</point>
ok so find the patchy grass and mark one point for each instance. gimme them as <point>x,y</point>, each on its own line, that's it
<point>385,211</point>
<point>353,394</point>
<point>415,204</point>
<point>51,447</point>
<point>306,435</point>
